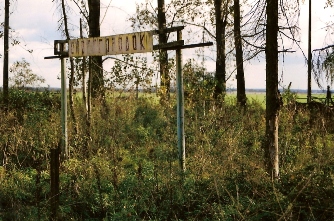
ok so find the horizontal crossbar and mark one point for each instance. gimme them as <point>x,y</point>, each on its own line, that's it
<point>195,45</point>
<point>180,45</point>
<point>168,30</point>
<point>168,45</point>
<point>55,57</point>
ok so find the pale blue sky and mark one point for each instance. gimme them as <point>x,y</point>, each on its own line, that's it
<point>35,23</point>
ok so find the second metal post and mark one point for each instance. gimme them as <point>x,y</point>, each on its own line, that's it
<point>180,107</point>
<point>64,146</point>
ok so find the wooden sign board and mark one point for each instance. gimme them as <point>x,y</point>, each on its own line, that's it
<point>138,42</point>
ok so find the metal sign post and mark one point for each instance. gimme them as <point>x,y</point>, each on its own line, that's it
<point>64,139</point>
<point>178,46</point>
<point>61,50</point>
<point>181,143</point>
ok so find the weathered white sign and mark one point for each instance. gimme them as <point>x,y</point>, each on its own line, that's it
<point>138,42</point>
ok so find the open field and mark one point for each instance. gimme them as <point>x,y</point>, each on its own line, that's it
<point>300,97</point>
<point>251,96</point>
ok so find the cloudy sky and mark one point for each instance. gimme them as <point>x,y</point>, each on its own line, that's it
<point>35,24</point>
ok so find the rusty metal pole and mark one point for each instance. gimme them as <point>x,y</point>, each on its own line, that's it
<point>180,107</point>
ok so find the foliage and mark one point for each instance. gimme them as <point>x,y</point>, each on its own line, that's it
<point>328,63</point>
<point>198,84</point>
<point>23,76</point>
<point>324,67</point>
<point>329,3</point>
<point>323,58</point>
<point>288,96</point>
<point>128,168</point>
<point>129,72</point>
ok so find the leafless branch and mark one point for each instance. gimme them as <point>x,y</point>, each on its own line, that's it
<point>325,48</point>
<point>202,26</point>
<point>84,11</point>
<point>255,46</point>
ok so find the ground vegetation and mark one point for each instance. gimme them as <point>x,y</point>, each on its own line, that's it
<point>128,169</point>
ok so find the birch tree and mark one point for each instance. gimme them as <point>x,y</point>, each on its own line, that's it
<point>273,21</point>
<point>272,94</point>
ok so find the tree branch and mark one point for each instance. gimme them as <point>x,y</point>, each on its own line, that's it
<point>322,49</point>
<point>202,26</point>
<point>255,46</point>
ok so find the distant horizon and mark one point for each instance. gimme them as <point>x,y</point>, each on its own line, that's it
<point>229,90</point>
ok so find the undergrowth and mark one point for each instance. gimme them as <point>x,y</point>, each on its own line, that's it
<point>126,167</point>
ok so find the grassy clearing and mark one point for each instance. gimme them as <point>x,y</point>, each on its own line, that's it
<point>260,97</point>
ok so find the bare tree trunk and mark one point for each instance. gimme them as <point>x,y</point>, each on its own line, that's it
<point>71,100</point>
<point>309,58</point>
<point>220,76</point>
<point>86,100</point>
<point>96,61</point>
<point>163,57</point>
<point>71,82</point>
<point>83,70</point>
<point>241,91</point>
<point>272,93</point>
<point>5,57</point>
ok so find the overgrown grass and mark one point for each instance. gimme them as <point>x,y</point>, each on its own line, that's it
<point>126,168</point>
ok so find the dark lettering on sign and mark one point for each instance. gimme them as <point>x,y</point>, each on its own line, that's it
<point>77,47</point>
<point>142,47</point>
<point>134,42</point>
<point>82,47</point>
<point>137,42</point>
<point>100,44</point>
<point>113,44</point>
<point>107,45</point>
<point>88,45</point>
<point>72,45</point>
<point>120,44</point>
<point>127,46</point>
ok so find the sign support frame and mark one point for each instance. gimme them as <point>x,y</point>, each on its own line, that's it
<point>61,50</point>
